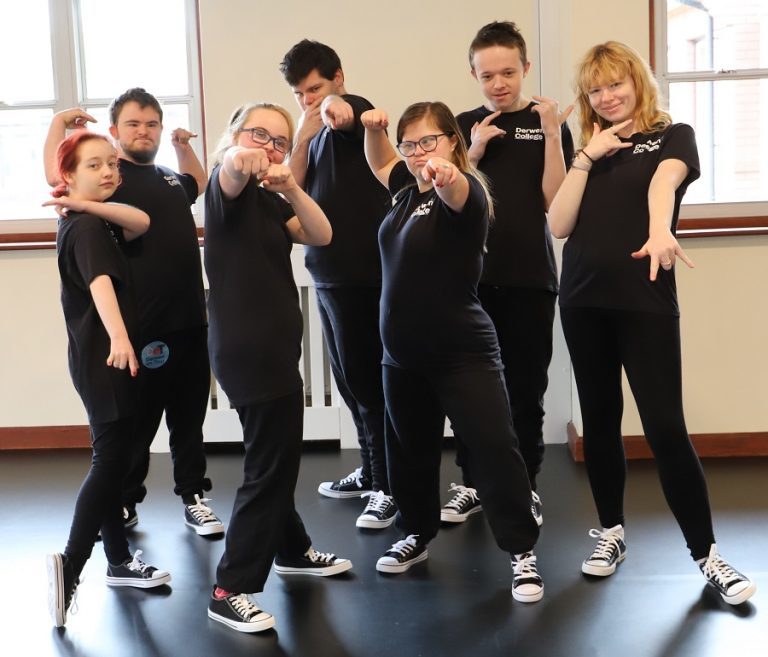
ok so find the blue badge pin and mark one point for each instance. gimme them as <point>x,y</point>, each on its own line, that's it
<point>155,355</point>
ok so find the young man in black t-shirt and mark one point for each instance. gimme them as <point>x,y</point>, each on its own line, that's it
<point>519,143</point>
<point>167,272</point>
<point>328,161</point>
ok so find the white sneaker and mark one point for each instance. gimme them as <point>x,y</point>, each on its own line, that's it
<point>527,585</point>
<point>734,587</point>
<point>608,553</point>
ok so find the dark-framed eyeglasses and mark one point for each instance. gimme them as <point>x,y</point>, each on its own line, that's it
<point>261,136</point>
<point>428,143</point>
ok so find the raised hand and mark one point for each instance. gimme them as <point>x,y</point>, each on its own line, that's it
<point>337,113</point>
<point>481,133</point>
<point>605,143</point>
<point>250,162</point>
<point>310,122</point>
<point>374,119</point>
<point>551,119</point>
<point>278,178</point>
<point>441,172</point>
<point>181,137</point>
<point>74,118</point>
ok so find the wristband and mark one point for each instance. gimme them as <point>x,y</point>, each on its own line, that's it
<point>581,166</point>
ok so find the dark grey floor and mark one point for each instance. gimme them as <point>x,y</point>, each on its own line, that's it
<point>457,603</point>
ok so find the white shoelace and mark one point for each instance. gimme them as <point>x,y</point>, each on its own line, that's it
<point>406,546</point>
<point>243,606</point>
<point>320,557</point>
<point>462,497</point>
<point>201,511</point>
<point>378,502</point>
<point>355,477</point>
<point>525,566</point>
<point>137,565</point>
<point>606,546</point>
<point>717,569</point>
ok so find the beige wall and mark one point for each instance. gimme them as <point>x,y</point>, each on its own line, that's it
<point>723,300</point>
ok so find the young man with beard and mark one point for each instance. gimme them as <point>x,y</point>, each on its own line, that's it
<point>167,275</point>
<point>328,161</point>
<point>522,145</point>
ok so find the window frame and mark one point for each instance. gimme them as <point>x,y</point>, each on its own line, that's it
<point>70,91</point>
<point>704,219</point>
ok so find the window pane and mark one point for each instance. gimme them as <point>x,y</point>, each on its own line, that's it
<point>174,116</point>
<point>25,51</point>
<point>731,122</point>
<point>150,54</point>
<point>22,177</point>
<point>716,35</point>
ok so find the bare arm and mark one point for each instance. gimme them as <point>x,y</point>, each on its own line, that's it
<point>480,135</point>
<point>662,247</point>
<point>70,119</point>
<point>133,221</point>
<point>121,354</point>
<point>310,124</point>
<point>554,164</point>
<point>187,158</point>
<point>379,153</point>
<point>310,225</point>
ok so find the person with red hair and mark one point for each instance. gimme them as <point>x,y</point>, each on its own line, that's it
<point>100,315</point>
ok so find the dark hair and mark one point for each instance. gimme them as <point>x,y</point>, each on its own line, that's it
<point>498,33</point>
<point>307,56</point>
<point>134,95</point>
<point>67,157</point>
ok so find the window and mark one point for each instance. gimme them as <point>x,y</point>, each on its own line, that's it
<point>712,64</point>
<point>62,53</point>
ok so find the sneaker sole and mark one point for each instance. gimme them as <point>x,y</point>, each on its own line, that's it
<point>401,567</point>
<point>256,626</point>
<point>531,597</point>
<point>55,568</point>
<point>459,517</point>
<point>326,571</point>
<point>740,597</point>
<point>373,523</point>
<point>138,583</point>
<point>205,530</point>
<point>601,571</point>
<point>342,495</point>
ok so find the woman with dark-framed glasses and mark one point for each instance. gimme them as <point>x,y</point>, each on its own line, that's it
<point>254,212</point>
<point>441,355</point>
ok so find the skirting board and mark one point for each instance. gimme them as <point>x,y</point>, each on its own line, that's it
<point>707,445</point>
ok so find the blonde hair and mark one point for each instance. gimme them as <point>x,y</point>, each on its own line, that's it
<point>445,121</point>
<point>239,118</point>
<point>615,61</point>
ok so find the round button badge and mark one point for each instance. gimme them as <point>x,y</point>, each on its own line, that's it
<point>155,355</point>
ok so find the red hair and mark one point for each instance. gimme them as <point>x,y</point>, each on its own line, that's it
<point>67,156</point>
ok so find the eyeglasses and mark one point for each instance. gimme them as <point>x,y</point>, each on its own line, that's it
<point>428,143</point>
<point>261,136</point>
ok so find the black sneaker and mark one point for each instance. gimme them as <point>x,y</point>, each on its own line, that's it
<point>734,587</point>
<point>240,613</point>
<point>526,581</point>
<point>608,553</point>
<point>379,512</point>
<point>134,572</point>
<point>312,562</point>
<point>353,485</point>
<point>130,517</point>
<point>463,504</point>
<point>200,517</point>
<point>536,508</point>
<point>402,555</point>
<point>62,587</point>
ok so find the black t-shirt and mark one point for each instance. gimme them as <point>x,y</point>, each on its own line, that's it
<point>86,250</point>
<point>520,252</point>
<point>165,261</point>
<point>254,337</point>
<point>355,202</point>
<point>598,271</point>
<point>431,259</point>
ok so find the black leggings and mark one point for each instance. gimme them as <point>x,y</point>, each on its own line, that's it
<point>647,345</point>
<point>476,403</point>
<point>99,505</point>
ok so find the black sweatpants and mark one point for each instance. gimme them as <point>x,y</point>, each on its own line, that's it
<point>99,505</point>
<point>181,388</point>
<point>523,319</point>
<point>476,403</point>
<point>647,345</point>
<point>350,318</point>
<point>264,520</point>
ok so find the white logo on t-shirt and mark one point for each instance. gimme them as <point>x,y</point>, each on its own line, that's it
<point>535,134</point>
<point>172,180</point>
<point>650,145</point>
<point>423,209</point>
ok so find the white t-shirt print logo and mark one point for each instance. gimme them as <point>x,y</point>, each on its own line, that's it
<point>650,145</point>
<point>172,180</point>
<point>423,209</point>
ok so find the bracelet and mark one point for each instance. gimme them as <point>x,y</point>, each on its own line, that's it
<point>585,154</point>
<point>581,166</point>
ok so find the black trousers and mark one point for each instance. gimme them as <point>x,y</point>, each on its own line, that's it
<point>181,388</point>
<point>476,403</point>
<point>99,505</point>
<point>523,319</point>
<point>647,345</point>
<point>350,318</point>
<point>264,520</point>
